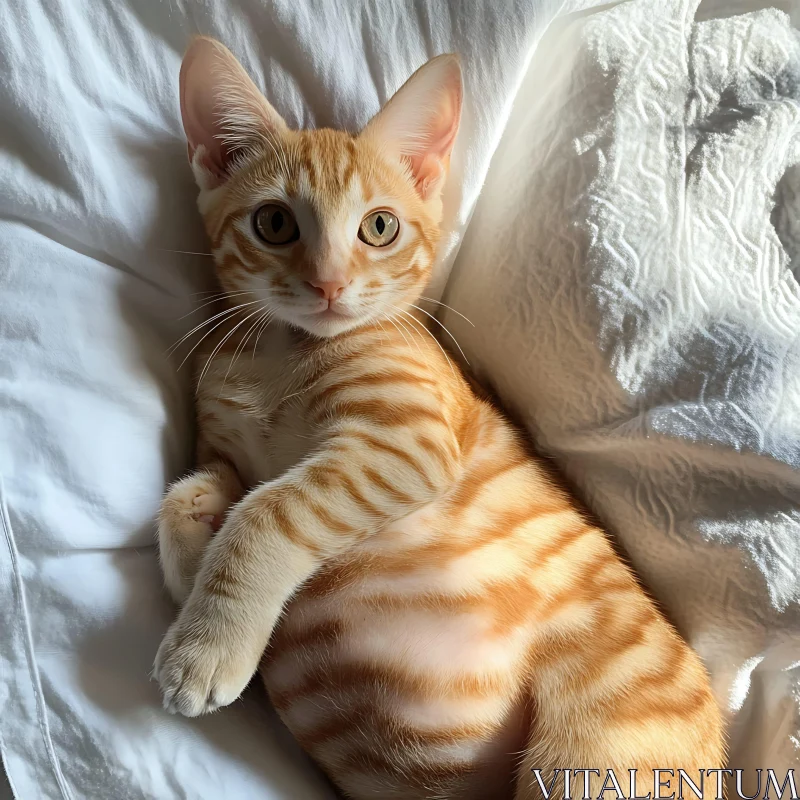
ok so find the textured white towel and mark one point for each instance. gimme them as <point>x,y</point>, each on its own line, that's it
<point>633,303</point>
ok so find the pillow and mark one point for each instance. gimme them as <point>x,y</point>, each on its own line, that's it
<point>633,304</point>
<point>98,225</point>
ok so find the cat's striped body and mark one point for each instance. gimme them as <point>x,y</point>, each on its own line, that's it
<point>438,617</point>
<point>416,664</point>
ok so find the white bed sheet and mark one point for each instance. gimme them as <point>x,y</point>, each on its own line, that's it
<point>94,419</point>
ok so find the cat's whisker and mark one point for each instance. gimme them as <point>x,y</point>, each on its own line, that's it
<point>208,292</point>
<point>220,345</point>
<point>210,319</point>
<point>412,333</point>
<point>184,252</point>
<point>444,305</point>
<point>215,300</point>
<point>215,293</point>
<point>422,327</point>
<point>204,337</point>
<point>198,297</point>
<point>240,348</point>
<point>196,328</point>
<point>256,328</point>
<point>261,330</point>
<point>214,353</point>
<point>399,330</point>
<point>236,352</point>
<point>417,322</point>
<point>441,324</point>
<point>416,337</point>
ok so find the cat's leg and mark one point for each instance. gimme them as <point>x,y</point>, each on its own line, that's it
<point>192,511</point>
<point>600,753</point>
<point>630,696</point>
<point>276,537</point>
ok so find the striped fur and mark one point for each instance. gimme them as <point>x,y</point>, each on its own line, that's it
<point>431,615</point>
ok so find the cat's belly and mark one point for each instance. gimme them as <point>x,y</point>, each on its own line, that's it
<point>397,682</point>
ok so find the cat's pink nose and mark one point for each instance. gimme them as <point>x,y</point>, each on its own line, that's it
<point>330,290</point>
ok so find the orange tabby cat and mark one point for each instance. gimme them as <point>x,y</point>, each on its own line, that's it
<point>433,617</point>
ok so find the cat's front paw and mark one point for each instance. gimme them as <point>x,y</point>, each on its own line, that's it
<point>196,505</point>
<point>191,513</point>
<point>201,666</point>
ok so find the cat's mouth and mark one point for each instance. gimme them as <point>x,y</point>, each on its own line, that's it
<point>331,313</point>
<point>328,321</point>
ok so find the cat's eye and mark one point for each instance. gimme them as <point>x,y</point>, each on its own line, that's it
<point>275,225</point>
<point>379,228</point>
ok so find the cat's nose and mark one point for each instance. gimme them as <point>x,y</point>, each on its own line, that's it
<point>330,290</point>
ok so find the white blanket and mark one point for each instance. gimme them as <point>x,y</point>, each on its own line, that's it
<point>94,419</point>
<point>634,304</point>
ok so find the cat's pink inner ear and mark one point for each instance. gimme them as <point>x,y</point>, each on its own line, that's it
<point>421,121</point>
<point>222,109</point>
<point>199,111</point>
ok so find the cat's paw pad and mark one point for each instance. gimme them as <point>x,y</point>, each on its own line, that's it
<point>196,506</point>
<point>200,669</point>
<point>209,509</point>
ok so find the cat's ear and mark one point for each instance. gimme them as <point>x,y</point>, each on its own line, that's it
<point>223,111</point>
<point>421,121</point>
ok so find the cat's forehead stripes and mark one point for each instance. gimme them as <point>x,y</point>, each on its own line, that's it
<point>334,173</point>
<point>332,170</point>
<point>329,160</point>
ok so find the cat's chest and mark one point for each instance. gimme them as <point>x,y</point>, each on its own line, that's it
<point>254,415</point>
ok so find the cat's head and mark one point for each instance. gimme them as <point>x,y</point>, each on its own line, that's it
<point>327,229</point>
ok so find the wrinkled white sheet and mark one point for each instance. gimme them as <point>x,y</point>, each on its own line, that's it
<point>634,304</point>
<point>94,419</point>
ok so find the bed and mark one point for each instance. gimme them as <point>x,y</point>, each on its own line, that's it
<point>622,231</point>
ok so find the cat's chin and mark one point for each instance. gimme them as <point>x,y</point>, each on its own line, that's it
<point>327,324</point>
